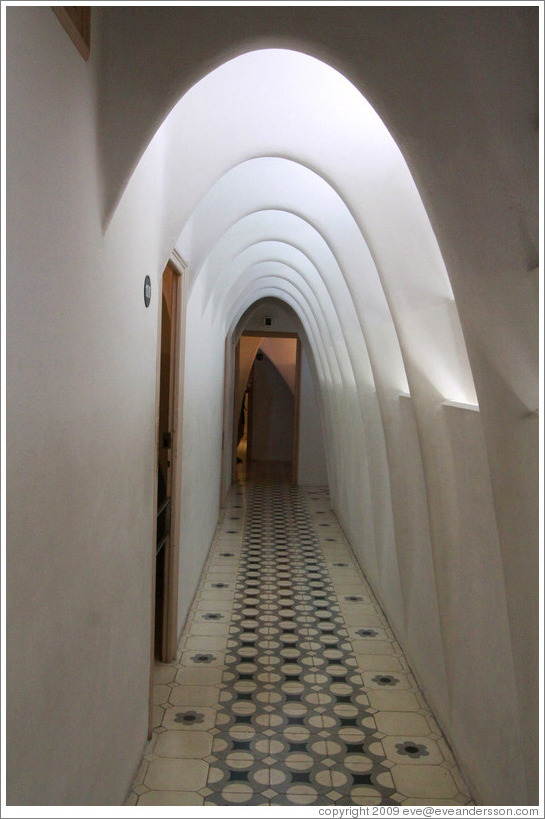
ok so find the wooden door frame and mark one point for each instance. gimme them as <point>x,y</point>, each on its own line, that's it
<point>235,415</point>
<point>172,558</point>
<point>227,476</point>
<point>297,395</point>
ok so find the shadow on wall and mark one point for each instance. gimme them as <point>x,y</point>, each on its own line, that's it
<point>272,407</point>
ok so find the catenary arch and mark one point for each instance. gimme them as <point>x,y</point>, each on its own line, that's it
<point>295,264</point>
<point>305,246</point>
<point>335,317</point>
<point>328,277</point>
<point>177,71</point>
<point>320,360</point>
<point>376,187</point>
<point>370,176</point>
<point>218,212</point>
<point>210,132</point>
<point>333,291</point>
<point>328,283</point>
<point>374,509</point>
<point>323,348</point>
<point>268,184</point>
<point>381,505</point>
<point>327,328</point>
<point>357,406</point>
<point>227,118</point>
<point>272,183</point>
<point>314,233</point>
<point>383,555</point>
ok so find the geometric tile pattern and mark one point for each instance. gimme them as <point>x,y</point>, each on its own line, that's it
<point>293,718</point>
<point>289,686</point>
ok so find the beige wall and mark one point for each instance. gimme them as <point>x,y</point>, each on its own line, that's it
<point>312,465</point>
<point>272,414</point>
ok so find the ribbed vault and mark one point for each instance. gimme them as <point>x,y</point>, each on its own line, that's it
<point>281,182</point>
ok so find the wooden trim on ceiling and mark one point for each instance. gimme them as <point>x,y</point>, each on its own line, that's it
<point>76,21</point>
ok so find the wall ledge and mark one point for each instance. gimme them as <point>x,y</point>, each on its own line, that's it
<point>460,405</point>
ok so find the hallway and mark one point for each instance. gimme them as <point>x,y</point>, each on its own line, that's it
<point>363,179</point>
<point>289,686</point>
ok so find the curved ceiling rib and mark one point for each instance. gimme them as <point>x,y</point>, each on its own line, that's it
<point>354,252</point>
<point>274,178</point>
<point>262,106</point>
<point>325,221</point>
<point>268,185</point>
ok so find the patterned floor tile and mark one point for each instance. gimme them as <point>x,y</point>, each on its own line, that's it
<point>290,688</point>
<point>425,781</point>
<point>187,718</point>
<point>199,674</point>
<point>184,744</point>
<point>175,798</point>
<point>176,774</point>
<point>406,723</point>
<point>194,695</point>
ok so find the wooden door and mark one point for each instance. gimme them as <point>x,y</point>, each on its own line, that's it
<point>168,468</point>
<point>163,545</point>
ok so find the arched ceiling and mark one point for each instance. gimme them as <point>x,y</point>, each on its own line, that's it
<point>278,178</point>
<point>275,162</point>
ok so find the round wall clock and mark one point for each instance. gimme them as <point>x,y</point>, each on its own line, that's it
<point>147,291</point>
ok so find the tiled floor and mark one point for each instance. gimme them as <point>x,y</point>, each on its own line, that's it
<point>289,686</point>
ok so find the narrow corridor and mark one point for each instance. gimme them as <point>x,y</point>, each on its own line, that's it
<point>289,686</point>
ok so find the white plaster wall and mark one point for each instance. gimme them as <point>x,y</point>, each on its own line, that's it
<point>202,441</point>
<point>471,597</point>
<point>80,461</point>
<point>312,468</point>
